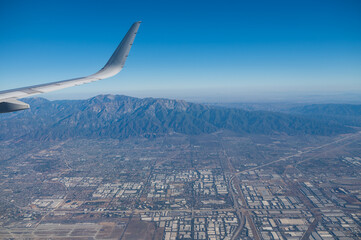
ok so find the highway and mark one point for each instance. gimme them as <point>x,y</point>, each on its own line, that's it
<point>234,181</point>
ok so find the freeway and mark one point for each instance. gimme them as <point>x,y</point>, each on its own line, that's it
<point>348,136</point>
<point>234,181</point>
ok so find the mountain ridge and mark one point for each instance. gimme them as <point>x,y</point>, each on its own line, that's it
<point>345,114</point>
<point>119,116</point>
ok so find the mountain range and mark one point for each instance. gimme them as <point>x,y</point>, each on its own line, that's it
<point>118,116</point>
<point>344,114</point>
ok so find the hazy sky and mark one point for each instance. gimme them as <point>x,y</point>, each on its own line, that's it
<point>225,50</point>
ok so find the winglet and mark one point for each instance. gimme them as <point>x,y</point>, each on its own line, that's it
<point>116,62</point>
<point>8,102</point>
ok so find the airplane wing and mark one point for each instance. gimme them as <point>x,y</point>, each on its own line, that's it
<point>8,98</point>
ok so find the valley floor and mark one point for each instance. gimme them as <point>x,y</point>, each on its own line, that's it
<point>212,186</point>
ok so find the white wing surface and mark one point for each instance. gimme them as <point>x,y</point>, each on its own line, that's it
<point>8,98</point>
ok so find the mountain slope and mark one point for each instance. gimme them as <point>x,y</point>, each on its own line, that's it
<point>344,114</point>
<point>118,116</point>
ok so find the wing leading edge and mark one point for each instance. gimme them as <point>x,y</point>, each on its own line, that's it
<point>8,98</point>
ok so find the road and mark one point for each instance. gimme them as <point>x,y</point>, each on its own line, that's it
<point>298,154</point>
<point>234,181</point>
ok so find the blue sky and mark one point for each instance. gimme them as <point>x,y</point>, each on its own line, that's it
<point>196,50</point>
